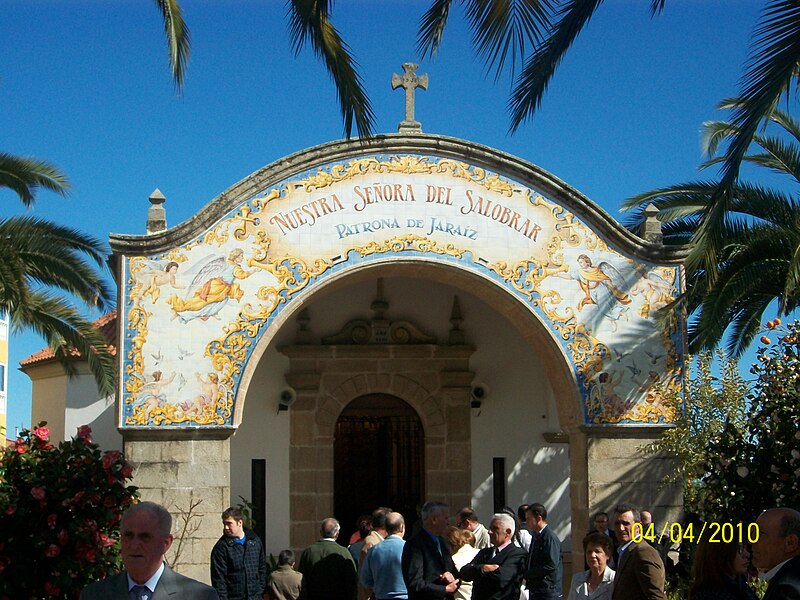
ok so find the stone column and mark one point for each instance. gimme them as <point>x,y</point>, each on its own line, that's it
<point>189,474</point>
<point>453,484</point>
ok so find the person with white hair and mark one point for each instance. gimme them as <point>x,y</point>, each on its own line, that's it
<point>328,569</point>
<point>496,571</point>
<point>145,536</point>
<point>428,569</point>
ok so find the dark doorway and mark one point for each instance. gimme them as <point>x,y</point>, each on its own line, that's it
<point>378,455</point>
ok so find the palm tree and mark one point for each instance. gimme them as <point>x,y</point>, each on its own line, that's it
<point>25,175</point>
<point>759,258</point>
<point>44,265</point>
<point>38,259</point>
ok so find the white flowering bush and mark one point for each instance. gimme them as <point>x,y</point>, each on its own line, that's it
<point>756,467</point>
<point>715,394</point>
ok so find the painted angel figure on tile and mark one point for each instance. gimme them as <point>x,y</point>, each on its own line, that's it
<point>155,274</point>
<point>602,285</point>
<point>212,287</point>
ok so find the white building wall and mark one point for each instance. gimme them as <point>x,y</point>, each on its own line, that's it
<point>264,434</point>
<point>520,406</point>
<point>84,407</point>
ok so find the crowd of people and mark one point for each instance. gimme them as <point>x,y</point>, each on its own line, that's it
<point>518,557</point>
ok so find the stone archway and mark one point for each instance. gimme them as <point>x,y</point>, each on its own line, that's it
<point>433,380</point>
<point>379,459</point>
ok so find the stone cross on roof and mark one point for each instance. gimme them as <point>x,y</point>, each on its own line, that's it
<point>409,81</point>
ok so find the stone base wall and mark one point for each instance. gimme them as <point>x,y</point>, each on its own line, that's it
<point>620,472</point>
<point>191,478</point>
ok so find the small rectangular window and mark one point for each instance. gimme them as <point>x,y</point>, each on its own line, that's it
<point>499,482</point>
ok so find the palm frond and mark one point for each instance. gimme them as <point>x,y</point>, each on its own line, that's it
<point>739,298</point>
<point>746,325</point>
<point>51,255</point>
<point>784,160</point>
<point>431,28</point>
<point>308,22</point>
<point>24,175</point>
<point>539,68</point>
<point>178,39</point>
<point>791,288</point>
<point>503,28</point>
<point>657,7</point>
<point>754,271</point>
<point>712,134</point>
<point>787,122</point>
<point>775,54</point>
<point>757,203</point>
<point>69,335</point>
<point>677,200</point>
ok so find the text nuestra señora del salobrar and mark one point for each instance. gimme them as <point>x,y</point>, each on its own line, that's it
<point>313,212</point>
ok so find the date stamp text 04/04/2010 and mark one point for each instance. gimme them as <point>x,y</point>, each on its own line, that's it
<point>742,533</point>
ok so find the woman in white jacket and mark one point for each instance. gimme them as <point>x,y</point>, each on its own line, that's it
<point>598,582</point>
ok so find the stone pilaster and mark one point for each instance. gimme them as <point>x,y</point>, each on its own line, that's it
<point>618,471</point>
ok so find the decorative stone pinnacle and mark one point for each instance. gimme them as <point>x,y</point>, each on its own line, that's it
<point>650,229</point>
<point>156,214</point>
<point>409,81</point>
<point>379,306</point>
<point>304,335</point>
<point>456,335</point>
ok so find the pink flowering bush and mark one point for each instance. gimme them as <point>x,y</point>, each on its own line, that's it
<point>60,509</point>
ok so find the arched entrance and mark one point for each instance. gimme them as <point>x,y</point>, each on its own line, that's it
<point>378,457</point>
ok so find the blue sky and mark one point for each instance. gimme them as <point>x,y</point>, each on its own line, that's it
<point>85,85</point>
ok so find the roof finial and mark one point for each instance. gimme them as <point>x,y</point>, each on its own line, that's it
<point>651,226</point>
<point>156,214</point>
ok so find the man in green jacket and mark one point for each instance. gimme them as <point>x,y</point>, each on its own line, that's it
<point>329,572</point>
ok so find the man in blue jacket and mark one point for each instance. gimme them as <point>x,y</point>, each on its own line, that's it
<point>238,561</point>
<point>382,568</point>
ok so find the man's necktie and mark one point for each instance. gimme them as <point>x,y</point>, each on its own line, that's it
<point>139,592</point>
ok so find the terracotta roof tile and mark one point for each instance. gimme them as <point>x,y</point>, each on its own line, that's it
<point>108,326</point>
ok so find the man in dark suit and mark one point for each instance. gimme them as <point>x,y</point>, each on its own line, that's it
<point>146,537</point>
<point>497,570</point>
<point>640,571</point>
<point>427,565</point>
<point>329,571</point>
<point>777,552</point>
<point>543,576</point>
